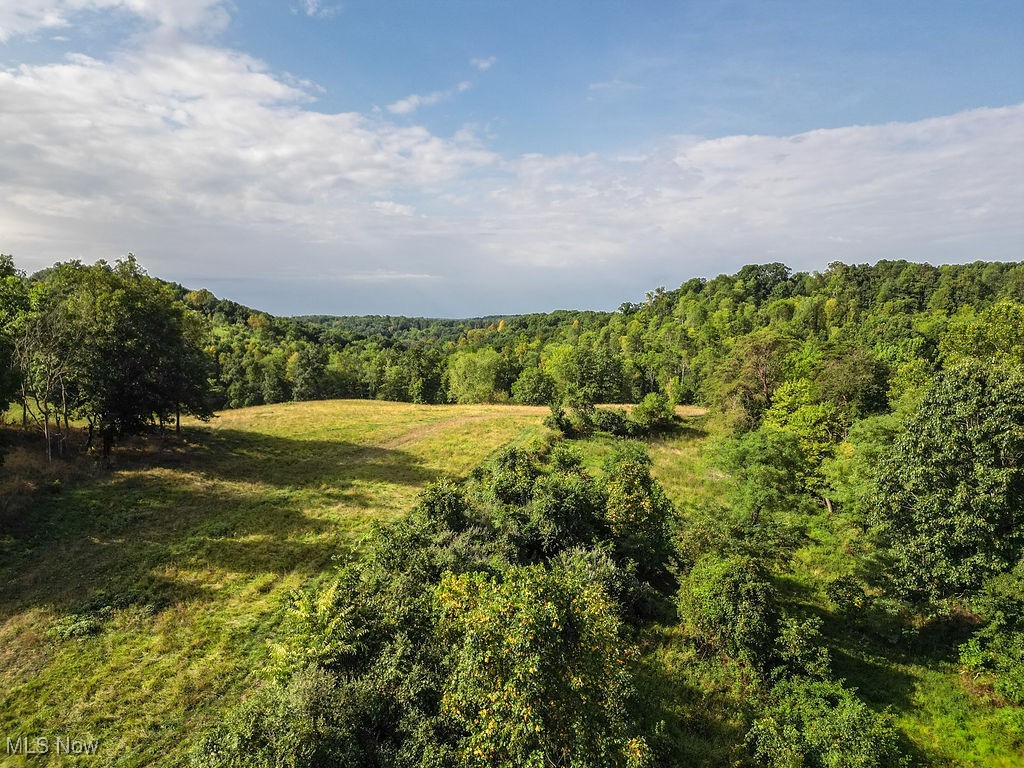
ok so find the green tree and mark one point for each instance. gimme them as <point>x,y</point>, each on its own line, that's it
<point>114,346</point>
<point>539,672</point>
<point>950,494</point>
<point>746,380</point>
<point>472,377</point>
<point>533,387</point>
<point>13,302</point>
<point>731,604</point>
<point>768,466</point>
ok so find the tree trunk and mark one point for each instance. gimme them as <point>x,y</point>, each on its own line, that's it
<point>108,444</point>
<point>828,504</point>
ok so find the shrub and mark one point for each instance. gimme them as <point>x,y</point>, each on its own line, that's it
<point>612,420</point>
<point>301,724</point>
<point>640,516</point>
<point>445,501</point>
<point>533,387</point>
<point>730,604</point>
<point>847,594</point>
<point>821,724</point>
<point>513,472</point>
<point>997,648</point>
<point>538,670</point>
<point>75,625</point>
<point>800,649</point>
<point>653,413</point>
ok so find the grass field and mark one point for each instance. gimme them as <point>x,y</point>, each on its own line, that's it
<point>137,604</point>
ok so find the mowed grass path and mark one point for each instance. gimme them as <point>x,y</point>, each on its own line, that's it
<point>175,564</point>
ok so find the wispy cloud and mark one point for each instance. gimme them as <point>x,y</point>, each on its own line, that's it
<point>611,89</point>
<point>29,16</point>
<point>411,103</point>
<point>318,9</point>
<point>391,208</point>
<point>483,64</point>
<point>387,276</point>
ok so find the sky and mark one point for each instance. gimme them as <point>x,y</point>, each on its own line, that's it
<point>468,157</point>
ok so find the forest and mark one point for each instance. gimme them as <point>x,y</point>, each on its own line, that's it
<point>865,428</point>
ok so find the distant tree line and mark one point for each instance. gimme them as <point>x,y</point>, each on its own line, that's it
<point>847,342</point>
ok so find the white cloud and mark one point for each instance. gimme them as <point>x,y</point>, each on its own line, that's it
<point>386,276</point>
<point>29,16</point>
<point>391,208</point>
<point>615,86</point>
<point>210,166</point>
<point>483,64</point>
<point>319,10</point>
<point>411,103</point>
<point>938,189</point>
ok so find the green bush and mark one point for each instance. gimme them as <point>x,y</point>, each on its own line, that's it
<point>730,604</point>
<point>640,516</point>
<point>847,595</point>
<point>653,413</point>
<point>75,625</point>
<point>538,672</point>
<point>612,420</point>
<point>997,647</point>
<point>533,387</point>
<point>800,649</point>
<point>513,472</point>
<point>821,724</point>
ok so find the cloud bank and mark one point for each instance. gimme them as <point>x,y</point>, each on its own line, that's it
<point>216,170</point>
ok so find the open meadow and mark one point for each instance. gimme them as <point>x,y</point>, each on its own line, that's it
<point>137,604</point>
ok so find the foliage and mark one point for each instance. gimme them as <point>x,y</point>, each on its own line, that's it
<point>821,724</point>
<point>533,387</point>
<point>486,628</point>
<point>770,468</point>
<point>652,413</point>
<point>731,604</point>
<point>997,647</point>
<point>950,494</point>
<point>538,674</point>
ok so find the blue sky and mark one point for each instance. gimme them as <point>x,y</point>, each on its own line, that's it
<point>458,158</point>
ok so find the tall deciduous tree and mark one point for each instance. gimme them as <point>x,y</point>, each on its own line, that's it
<point>111,345</point>
<point>950,494</point>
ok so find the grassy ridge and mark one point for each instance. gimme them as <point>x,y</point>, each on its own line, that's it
<point>138,604</point>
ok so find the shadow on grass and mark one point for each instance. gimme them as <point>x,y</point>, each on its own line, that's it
<point>112,533</point>
<point>236,455</point>
<point>694,722</point>
<point>689,430</point>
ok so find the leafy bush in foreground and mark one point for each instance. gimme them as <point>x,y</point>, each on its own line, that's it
<point>488,628</point>
<point>821,724</point>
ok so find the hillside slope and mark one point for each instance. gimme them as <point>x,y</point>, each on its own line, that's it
<point>136,606</point>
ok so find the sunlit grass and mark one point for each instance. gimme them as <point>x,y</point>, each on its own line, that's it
<point>174,564</point>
